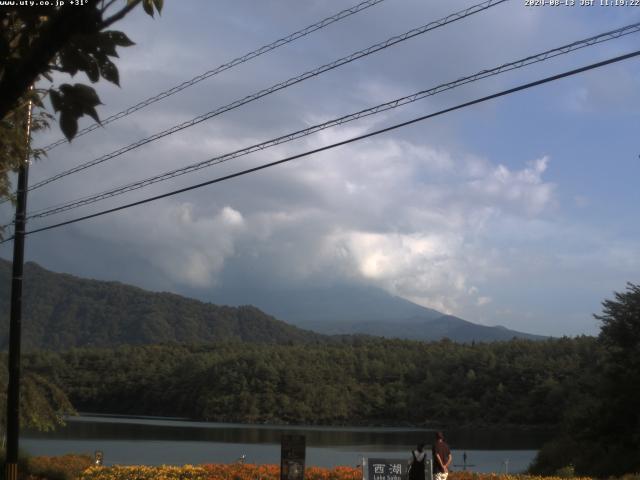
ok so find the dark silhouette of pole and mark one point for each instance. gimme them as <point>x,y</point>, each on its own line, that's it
<point>15,325</point>
<point>464,464</point>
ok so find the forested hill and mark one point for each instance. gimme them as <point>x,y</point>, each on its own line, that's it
<point>62,311</point>
<point>369,381</point>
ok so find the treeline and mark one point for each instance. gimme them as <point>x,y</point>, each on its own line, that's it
<point>361,381</point>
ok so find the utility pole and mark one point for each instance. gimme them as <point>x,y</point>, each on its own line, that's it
<point>15,325</point>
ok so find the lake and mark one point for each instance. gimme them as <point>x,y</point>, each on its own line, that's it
<point>157,441</point>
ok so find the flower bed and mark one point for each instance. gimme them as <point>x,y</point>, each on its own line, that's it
<point>65,467</point>
<point>74,467</point>
<point>499,476</point>
<point>221,471</point>
<point>187,472</point>
<point>218,471</point>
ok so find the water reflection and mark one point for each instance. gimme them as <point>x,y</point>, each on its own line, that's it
<point>114,428</point>
<point>157,441</point>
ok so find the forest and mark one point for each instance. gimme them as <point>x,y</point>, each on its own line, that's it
<point>362,380</point>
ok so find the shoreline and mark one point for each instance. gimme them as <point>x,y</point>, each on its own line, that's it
<point>276,424</point>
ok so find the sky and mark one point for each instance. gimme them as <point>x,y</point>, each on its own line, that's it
<point>520,211</point>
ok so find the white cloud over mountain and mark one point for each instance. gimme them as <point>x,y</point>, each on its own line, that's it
<point>472,213</point>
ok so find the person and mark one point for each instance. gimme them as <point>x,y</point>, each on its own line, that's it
<point>441,458</point>
<point>416,471</point>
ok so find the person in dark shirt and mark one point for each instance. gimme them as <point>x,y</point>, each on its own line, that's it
<point>441,458</point>
<point>417,463</point>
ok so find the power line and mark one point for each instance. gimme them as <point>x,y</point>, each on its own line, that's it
<point>279,86</point>
<point>344,142</point>
<point>633,28</point>
<point>221,68</point>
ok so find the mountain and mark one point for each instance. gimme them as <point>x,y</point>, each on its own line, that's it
<point>62,311</point>
<point>445,326</point>
<point>324,303</point>
<point>359,309</point>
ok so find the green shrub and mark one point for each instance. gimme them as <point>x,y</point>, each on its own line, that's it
<point>566,472</point>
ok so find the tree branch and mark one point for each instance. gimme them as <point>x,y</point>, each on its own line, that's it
<point>54,34</point>
<point>104,7</point>
<point>120,15</point>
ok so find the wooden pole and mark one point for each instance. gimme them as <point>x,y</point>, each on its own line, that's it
<point>15,324</point>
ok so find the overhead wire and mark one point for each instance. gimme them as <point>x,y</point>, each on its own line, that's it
<point>532,59</point>
<point>221,68</point>
<point>279,86</point>
<point>344,142</point>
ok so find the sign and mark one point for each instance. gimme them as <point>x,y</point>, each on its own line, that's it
<point>386,469</point>
<point>292,455</point>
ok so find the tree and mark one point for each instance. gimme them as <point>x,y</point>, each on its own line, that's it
<point>35,42</point>
<point>617,426</point>
<point>601,431</point>
<point>43,405</point>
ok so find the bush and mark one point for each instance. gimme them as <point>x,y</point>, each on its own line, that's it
<point>566,472</point>
<point>65,467</point>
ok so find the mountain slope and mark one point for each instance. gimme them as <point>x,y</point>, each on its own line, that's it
<point>326,304</point>
<point>352,309</point>
<point>62,311</point>
<point>424,329</point>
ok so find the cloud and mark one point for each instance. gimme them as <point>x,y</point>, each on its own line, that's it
<point>455,223</point>
<point>188,248</point>
<point>407,217</point>
<point>483,301</point>
<point>419,266</point>
<point>524,188</point>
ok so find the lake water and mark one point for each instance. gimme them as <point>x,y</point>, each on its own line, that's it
<point>154,441</point>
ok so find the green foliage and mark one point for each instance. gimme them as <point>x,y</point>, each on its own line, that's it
<point>73,101</point>
<point>352,381</point>
<point>620,331</point>
<point>601,431</point>
<point>43,405</point>
<point>61,311</point>
<point>36,41</point>
<point>566,472</point>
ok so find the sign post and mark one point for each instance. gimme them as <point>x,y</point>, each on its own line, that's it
<point>385,469</point>
<point>292,457</point>
<point>428,469</point>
